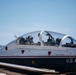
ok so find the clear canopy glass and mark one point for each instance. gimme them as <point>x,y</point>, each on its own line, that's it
<point>47,38</point>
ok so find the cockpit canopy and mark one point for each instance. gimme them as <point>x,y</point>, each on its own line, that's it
<point>46,38</point>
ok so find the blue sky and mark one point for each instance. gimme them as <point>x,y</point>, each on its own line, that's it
<point>18,17</point>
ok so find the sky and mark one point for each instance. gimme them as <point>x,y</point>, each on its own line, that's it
<point>18,17</point>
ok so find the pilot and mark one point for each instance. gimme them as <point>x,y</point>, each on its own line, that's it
<point>21,40</point>
<point>50,41</point>
<point>58,41</point>
<point>29,39</point>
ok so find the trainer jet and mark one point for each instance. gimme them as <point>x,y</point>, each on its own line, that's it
<point>40,51</point>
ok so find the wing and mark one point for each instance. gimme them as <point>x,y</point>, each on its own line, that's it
<point>32,69</point>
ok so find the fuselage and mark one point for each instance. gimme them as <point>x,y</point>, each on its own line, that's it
<point>61,59</point>
<point>42,54</point>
